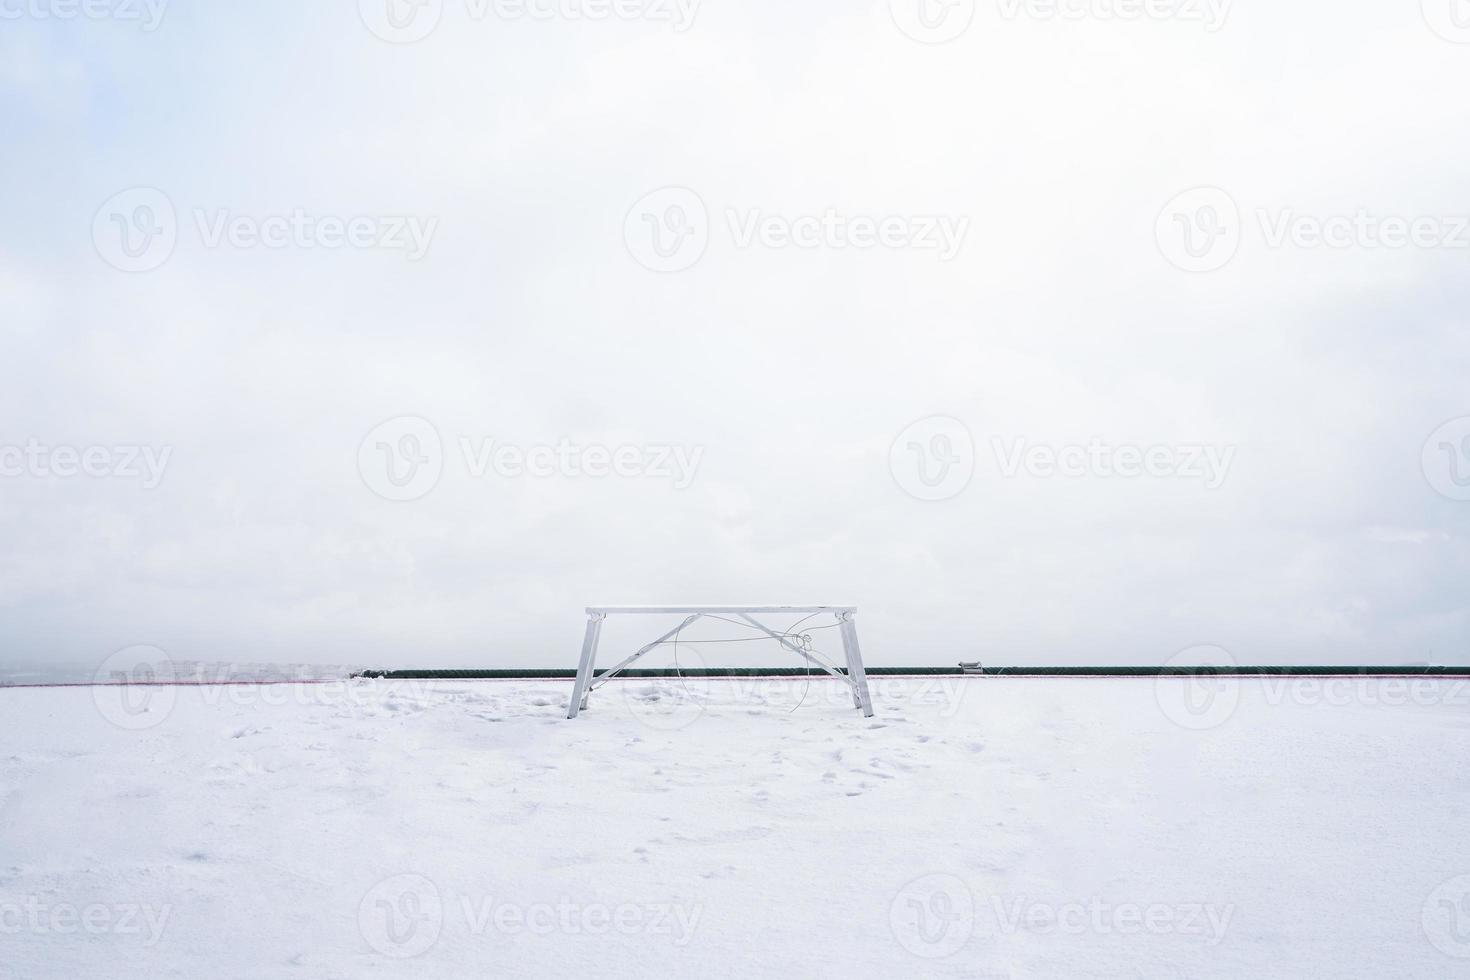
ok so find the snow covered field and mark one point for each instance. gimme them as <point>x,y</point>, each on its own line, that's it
<point>977,827</point>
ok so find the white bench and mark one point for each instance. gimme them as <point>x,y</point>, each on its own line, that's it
<point>856,677</point>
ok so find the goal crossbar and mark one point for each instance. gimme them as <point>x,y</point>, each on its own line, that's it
<point>717,610</point>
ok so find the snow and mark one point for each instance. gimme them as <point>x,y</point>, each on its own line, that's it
<point>976,827</point>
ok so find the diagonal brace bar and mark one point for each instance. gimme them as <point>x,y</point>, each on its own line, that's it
<point>614,671</point>
<point>811,658</point>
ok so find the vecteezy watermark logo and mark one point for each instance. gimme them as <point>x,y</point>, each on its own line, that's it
<point>1446,459</point>
<point>1210,13</point>
<point>932,21</point>
<point>147,13</point>
<point>402,459</point>
<point>941,697</point>
<point>933,459</point>
<point>38,918</point>
<point>1199,230</point>
<point>674,921</point>
<point>667,230</point>
<point>136,230</point>
<point>933,916</point>
<point>1450,19</point>
<point>667,704</point>
<point>1367,691</point>
<point>133,689</point>
<point>410,21</point>
<point>410,234</point>
<point>679,13</point>
<point>678,464</point>
<point>405,916</point>
<point>1362,229</point>
<point>42,461</point>
<point>1100,917</point>
<point>1200,696</point>
<point>1446,917</point>
<point>401,21</point>
<point>275,685</point>
<point>401,917</point>
<point>836,231</point>
<point>1206,463</point>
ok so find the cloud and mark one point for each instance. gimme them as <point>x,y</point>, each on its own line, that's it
<point>528,322</point>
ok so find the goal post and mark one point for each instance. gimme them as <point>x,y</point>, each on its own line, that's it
<point>855,676</point>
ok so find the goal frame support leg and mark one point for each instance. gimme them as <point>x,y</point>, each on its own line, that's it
<point>855,669</point>
<point>588,663</point>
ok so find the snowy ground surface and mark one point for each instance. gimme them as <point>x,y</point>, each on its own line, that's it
<point>977,827</point>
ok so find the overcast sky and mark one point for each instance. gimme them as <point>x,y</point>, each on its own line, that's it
<point>354,333</point>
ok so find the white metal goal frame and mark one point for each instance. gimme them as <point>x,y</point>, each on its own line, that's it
<point>855,678</point>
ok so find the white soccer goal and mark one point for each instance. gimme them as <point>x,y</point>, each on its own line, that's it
<point>856,677</point>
